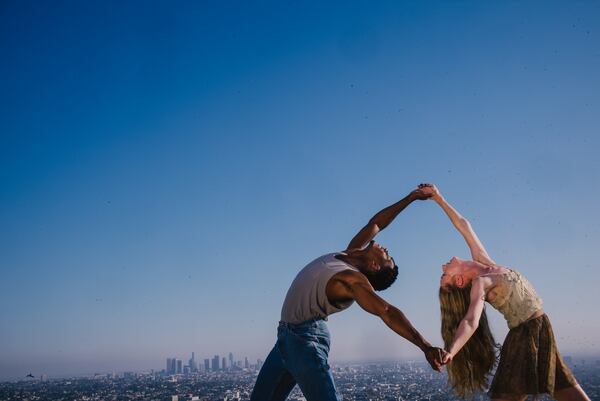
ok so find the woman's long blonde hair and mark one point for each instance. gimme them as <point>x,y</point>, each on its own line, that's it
<point>469,370</point>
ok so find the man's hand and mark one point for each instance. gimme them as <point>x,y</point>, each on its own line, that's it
<point>435,357</point>
<point>430,190</point>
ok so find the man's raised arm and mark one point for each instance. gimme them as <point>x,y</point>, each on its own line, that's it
<point>383,218</point>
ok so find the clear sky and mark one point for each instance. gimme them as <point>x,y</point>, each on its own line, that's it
<point>167,167</point>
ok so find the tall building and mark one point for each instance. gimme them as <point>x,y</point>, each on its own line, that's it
<point>246,364</point>
<point>207,365</point>
<point>171,366</point>
<point>231,364</point>
<point>192,364</point>
<point>215,363</point>
<point>224,364</point>
<point>179,366</point>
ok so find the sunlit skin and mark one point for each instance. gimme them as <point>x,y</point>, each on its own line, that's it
<point>483,274</point>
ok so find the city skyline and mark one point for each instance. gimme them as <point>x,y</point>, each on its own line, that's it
<point>167,169</point>
<point>207,365</point>
<point>383,380</point>
<point>357,382</point>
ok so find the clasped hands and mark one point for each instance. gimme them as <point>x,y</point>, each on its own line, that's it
<point>437,357</point>
<point>425,191</point>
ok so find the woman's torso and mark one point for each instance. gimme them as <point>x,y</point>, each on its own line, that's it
<point>512,295</point>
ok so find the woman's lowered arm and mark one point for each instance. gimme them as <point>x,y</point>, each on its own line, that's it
<point>470,322</point>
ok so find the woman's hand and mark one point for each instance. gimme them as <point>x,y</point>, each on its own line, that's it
<point>447,358</point>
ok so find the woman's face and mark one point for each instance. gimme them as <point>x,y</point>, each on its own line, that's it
<point>452,275</point>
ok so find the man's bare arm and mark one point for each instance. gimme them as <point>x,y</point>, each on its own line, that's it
<point>358,288</point>
<point>383,218</point>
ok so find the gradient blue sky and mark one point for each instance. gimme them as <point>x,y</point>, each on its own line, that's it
<point>167,168</point>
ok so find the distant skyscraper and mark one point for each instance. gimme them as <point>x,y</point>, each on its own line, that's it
<point>192,364</point>
<point>246,364</point>
<point>207,365</point>
<point>215,363</point>
<point>179,366</point>
<point>224,364</point>
<point>171,366</point>
<point>231,364</point>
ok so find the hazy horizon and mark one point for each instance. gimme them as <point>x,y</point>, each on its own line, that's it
<point>167,169</point>
<point>577,358</point>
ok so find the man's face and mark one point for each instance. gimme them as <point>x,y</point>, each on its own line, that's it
<point>380,258</point>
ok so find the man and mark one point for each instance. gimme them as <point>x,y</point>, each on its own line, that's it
<point>330,284</point>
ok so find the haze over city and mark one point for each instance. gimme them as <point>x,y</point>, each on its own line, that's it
<point>167,169</point>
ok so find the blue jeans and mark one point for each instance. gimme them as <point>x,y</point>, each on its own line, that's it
<point>299,356</point>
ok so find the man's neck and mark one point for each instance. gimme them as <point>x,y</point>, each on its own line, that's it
<point>351,258</point>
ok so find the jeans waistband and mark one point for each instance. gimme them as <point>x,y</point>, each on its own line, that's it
<point>316,322</point>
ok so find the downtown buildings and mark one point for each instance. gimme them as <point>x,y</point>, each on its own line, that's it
<point>174,366</point>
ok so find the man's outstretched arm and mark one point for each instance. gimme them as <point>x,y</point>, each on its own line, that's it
<point>383,218</point>
<point>358,288</point>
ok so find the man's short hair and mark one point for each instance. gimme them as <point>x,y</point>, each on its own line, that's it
<point>383,278</point>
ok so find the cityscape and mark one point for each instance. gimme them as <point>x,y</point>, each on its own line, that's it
<point>216,364</point>
<point>227,379</point>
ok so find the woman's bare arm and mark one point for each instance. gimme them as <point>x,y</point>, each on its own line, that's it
<point>470,322</point>
<point>478,252</point>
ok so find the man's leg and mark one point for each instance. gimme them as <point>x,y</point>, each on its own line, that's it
<point>318,385</point>
<point>305,354</point>
<point>316,382</point>
<point>274,382</point>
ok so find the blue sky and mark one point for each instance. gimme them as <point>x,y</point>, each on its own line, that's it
<point>167,169</point>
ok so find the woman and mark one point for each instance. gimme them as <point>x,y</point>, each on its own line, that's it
<point>529,360</point>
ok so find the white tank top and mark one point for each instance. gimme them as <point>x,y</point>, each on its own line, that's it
<point>306,298</point>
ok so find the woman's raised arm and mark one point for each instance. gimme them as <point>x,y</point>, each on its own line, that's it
<point>478,252</point>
